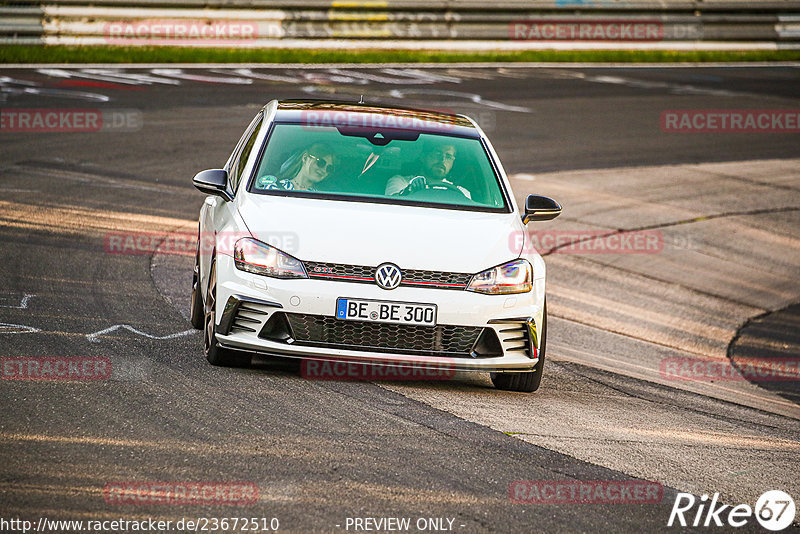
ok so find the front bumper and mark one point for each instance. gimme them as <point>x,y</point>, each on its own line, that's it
<point>250,307</point>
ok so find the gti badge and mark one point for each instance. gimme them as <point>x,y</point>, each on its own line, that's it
<point>388,275</point>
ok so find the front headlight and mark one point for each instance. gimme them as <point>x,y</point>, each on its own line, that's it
<point>256,257</point>
<point>512,277</point>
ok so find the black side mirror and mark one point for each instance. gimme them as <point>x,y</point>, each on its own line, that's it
<point>213,182</point>
<point>538,208</point>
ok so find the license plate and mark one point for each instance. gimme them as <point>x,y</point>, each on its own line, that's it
<point>383,311</point>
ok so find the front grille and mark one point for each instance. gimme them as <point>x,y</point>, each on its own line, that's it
<point>326,331</point>
<point>366,275</point>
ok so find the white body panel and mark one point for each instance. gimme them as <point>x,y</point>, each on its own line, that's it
<point>359,233</point>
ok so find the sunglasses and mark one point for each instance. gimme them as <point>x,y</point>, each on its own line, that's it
<point>438,154</point>
<point>322,164</point>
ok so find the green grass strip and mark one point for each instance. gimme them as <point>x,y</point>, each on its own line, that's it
<point>171,54</point>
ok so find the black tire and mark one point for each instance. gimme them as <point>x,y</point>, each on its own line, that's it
<point>215,354</point>
<point>197,313</point>
<point>529,381</point>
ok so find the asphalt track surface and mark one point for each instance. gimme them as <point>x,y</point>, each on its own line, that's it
<point>322,451</point>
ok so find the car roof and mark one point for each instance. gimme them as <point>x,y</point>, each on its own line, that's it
<point>370,116</point>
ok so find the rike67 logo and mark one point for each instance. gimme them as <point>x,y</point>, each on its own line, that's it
<point>774,510</point>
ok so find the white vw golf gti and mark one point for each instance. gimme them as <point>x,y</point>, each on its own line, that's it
<point>370,235</point>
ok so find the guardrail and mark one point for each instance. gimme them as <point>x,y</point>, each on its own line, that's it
<point>267,22</point>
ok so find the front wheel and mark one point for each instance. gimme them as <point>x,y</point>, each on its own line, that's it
<point>215,354</point>
<point>529,381</point>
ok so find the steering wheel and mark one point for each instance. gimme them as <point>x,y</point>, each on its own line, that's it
<point>450,187</point>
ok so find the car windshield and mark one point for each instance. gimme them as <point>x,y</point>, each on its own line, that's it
<point>390,165</point>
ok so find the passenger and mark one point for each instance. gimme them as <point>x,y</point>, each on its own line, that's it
<point>301,172</point>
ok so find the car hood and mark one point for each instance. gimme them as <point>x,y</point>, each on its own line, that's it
<point>361,233</point>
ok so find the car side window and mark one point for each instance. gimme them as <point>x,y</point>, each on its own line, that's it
<point>241,159</point>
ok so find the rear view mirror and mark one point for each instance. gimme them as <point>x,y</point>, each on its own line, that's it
<point>213,182</point>
<point>539,208</point>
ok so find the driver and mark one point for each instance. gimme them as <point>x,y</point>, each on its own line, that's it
<point>435,165</point>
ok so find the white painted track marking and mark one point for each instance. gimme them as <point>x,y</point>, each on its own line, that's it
<point>9,328</point>
<point>93,337</point>
<point>23,304</point>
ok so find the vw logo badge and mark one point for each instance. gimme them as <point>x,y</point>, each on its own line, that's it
<point>388,275</point>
